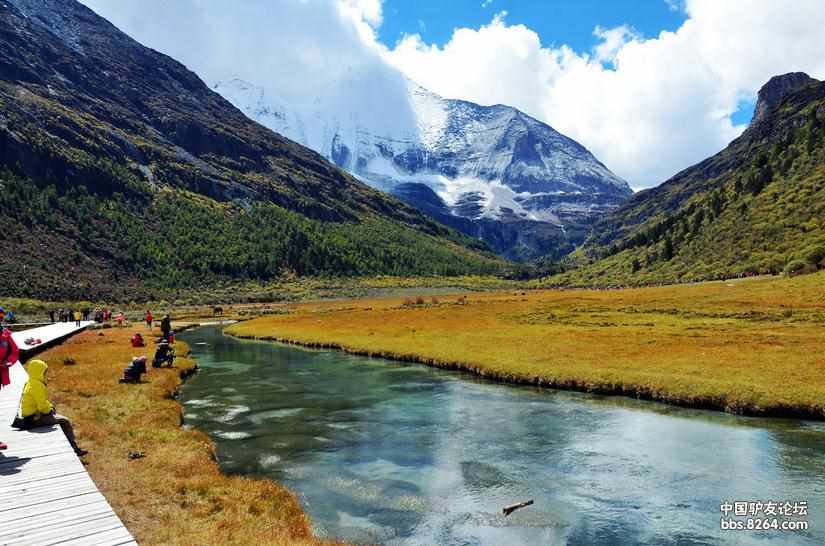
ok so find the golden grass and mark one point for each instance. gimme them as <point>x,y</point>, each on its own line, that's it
<point>176,495</point>
<point>754,346</point>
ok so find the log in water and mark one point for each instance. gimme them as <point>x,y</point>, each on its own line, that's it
<point>403,454</point>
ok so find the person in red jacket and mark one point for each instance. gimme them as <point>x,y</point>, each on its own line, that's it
<point>9,355</point>
<point>149,319</point>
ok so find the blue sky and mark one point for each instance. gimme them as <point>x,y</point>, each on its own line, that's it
<point>558,22</point>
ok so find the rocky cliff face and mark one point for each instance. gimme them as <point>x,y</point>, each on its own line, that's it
<point>484,166</point>
<point>775,90</point>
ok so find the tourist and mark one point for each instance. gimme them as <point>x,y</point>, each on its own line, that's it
<point>134,370</point>
<point>9,355</point>
<point>166,327</point>
<point>35,408</point>
<point>77,317</point>
<point>51,316</point>
<point>149,319</point>
<point>164,354</point>
<point>119,318</point>
<point>137,340</point>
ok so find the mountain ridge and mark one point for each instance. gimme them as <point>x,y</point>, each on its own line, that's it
<point>492,163</point>
<point>755,207</point>
<point>115,153</point>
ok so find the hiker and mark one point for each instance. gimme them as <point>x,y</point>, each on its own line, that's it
<point>148,319</point>
<point>119,318</point>
<point>163,354</point>
<point>77,317</point>
<point>37,411</point>
<point>165,327</point>
<point>134,370</point>
<point>9,355</point>
<point>51,316</point>
<point>137,340</point>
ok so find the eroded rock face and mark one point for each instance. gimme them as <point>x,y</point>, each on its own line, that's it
<point>775,90</point>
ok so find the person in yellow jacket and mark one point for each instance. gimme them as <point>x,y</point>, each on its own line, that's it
<point>35,408</point>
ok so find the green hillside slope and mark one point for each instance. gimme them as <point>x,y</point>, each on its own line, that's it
<point>756,207</point>
<point>123,174</point>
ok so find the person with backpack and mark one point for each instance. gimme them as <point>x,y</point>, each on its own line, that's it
<point>9,355</point>
<point>37,411</point>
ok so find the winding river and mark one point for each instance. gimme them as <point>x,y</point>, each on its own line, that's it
<point>392,453</point>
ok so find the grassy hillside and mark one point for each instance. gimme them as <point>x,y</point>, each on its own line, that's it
<point>122,174</point>
<point>757,207</point>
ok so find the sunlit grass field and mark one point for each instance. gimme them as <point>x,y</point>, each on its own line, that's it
<point>753,346</point>
<point>176,494</point>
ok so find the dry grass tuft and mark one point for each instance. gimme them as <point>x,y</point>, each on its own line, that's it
<point>175,494</point>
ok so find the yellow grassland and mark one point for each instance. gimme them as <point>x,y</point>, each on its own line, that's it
<point>752,346</point>
<point>175,495</point>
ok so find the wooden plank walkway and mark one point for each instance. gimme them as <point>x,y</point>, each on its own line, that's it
<point>46,495</point>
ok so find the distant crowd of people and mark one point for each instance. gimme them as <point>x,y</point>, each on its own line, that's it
<point>36,410</point>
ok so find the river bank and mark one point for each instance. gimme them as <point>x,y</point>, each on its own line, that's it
<point>161,479</point>
<point>750,347</point>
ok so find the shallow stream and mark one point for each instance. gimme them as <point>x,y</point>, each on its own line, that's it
<point>392,453</point>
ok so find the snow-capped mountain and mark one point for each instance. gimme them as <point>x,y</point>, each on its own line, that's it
<point>485,170</point>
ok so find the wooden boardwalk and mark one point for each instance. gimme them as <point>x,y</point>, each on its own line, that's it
<point>46,496</point>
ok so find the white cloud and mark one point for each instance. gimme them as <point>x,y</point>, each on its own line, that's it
<point>612,41</point>
<point>662,104</point>
<point>486,3</point>
<point>674,5</point>
<point>646,107</point>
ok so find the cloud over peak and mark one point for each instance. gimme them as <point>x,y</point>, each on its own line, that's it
<point>646,106</point>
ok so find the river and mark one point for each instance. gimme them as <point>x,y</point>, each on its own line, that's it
<point>395,453</point>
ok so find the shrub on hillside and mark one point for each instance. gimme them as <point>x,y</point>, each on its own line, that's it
<point>795,267</point>
<point>814,254</point>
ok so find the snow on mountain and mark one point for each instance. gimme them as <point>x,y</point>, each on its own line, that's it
<point>483,162</point>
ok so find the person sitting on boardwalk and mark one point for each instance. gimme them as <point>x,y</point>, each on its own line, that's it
<point>134,370</point>
<point>35,408</point>
<point>9,355</point>
<point>137,340</point>
<point>163,354</point>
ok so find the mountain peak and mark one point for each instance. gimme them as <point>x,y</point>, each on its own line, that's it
<point>776,89</point>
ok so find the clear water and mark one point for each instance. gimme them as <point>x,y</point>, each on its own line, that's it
<point>383,452</point>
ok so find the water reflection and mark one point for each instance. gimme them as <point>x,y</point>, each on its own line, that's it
<point>402,454</point>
